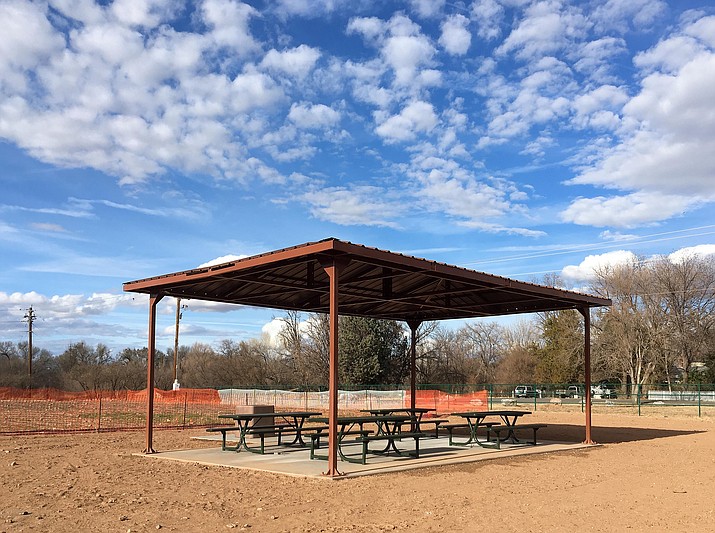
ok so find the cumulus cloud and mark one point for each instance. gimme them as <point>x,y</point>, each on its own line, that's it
<point>701,250</point>
<point>626,211</point>
<point>664,159</point>
<point>296,62</point>
<point>546,28</point>
<point>489,15</point>
<point>619,15</point>
<point>313,116</point>
<point>360,205</point>
<point>585,271</point>
<point>222,259</point>
<point>415,118</point>
<point>455,36</point>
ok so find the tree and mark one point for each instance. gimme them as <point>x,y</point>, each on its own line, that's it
<point>486,342</point>
<point>560,358</point>
<point>84,366</point>
<point>685,290</point>
<point>372,351</point>
<point>627,333</point>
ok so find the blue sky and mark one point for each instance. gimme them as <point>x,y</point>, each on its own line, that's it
<point>516,137</point>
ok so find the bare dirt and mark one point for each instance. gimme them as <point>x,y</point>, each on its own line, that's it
<point>651,473</point>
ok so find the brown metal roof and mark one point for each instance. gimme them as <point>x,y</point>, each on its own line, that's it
<point>375,283</point>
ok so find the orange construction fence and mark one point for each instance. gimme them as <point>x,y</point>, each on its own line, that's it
<point>57,411</point>
<point>445,402</point>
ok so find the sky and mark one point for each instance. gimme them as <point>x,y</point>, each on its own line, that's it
<point>523,138</point>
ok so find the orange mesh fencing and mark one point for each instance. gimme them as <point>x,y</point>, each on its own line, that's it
<point>445,402</point>
<point>56,411</point>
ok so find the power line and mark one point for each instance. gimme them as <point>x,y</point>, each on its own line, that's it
<point>642,239</point>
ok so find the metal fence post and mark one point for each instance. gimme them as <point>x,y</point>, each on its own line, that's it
<point>535,395</point>
<point>99,416</point>
<point>699,404</point>
<point>638,398</point>
<point>491,396</point>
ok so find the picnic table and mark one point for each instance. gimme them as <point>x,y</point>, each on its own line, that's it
<point>291,422</point>
<point>477,419</point>
<point>415,413</point>
<point>389,428</point>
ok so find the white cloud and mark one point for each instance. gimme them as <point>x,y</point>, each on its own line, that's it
<point>359,205</point>
<point>58,306</point>
<point>618,15</point>
<point>455,36</point>
<point>489,15</point>
<point>406,54</point>
<point>313,116</point>
<point>664,159</point>
<point>223,259</point>
<point>416,117</point>
<point>296,62</point>
<point>626,211</point>
<point>370,28</point>
<point>701,250</point>
<point>427,8</point>
<point>20,20</point>
<point>616,236</point>
<point>547,27</point>
<point>229,21</point>
<point>586,270</point>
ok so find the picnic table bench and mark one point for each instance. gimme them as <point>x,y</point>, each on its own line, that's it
<point>510,432</point>
<point>391,438</point>
<point>463,425</point>
<point>315,443</point>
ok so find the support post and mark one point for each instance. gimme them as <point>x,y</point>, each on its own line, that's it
<point>151,354</point>
<point>333,267</point>
<point>585,311</point>
<point>413,325</point>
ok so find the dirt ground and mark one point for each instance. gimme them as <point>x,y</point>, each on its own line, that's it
<point>651,473</point>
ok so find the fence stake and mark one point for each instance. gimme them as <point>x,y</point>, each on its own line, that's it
<point>491,396</point>
<point>186,394</point>
<point>99,417</point>
<point>638,398</point>
<point>699,412</point>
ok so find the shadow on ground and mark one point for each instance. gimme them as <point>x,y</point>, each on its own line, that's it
<point>608,435</point>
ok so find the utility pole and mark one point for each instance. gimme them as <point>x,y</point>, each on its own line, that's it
<point>30,316</point>
<point>179,307</point>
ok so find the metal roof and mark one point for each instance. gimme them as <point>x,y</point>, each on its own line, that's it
<point>373,283</point>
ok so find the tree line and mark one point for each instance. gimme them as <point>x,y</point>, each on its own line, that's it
<point>660,329</point>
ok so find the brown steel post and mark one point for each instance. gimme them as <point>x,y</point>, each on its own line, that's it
<point>151,352</point>
<point>413,325</point>
<point>587,369</point>
<point>333,269</point>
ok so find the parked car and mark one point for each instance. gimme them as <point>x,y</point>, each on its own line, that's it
<point>603,391</point>
<point>573,391</point>
<point>526,391</point>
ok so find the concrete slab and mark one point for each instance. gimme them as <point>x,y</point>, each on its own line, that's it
<point>296,461</point>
